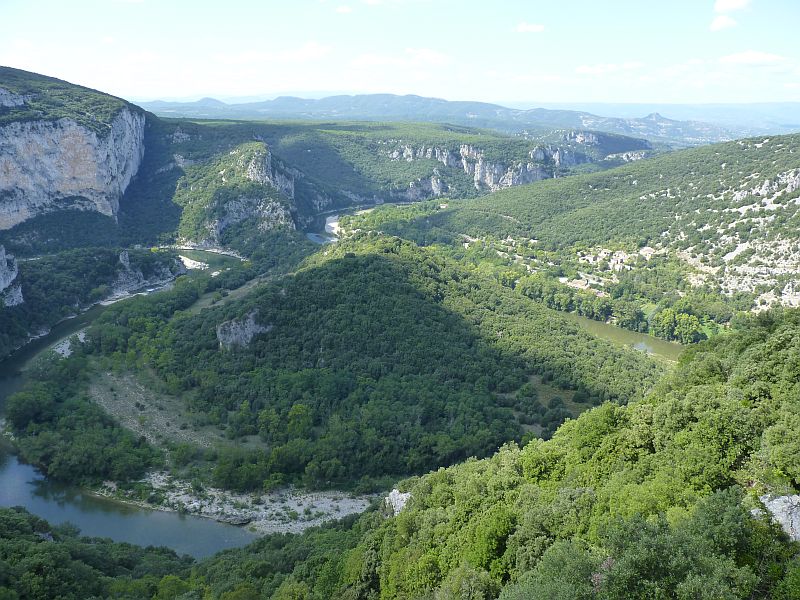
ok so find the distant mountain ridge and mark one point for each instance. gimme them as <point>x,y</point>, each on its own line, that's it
<point>390,107</point>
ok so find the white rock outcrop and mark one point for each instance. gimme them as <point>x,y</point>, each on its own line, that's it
<point>8,269</point>
<point>13,296</point>
<point>130,279</point>
<point>259,168</point>
<point>396,501</point>
<point>785,511</point>
<point>486,174</point>
<point>48,165</point>
<point>239,332</point>
<point>11,100</point>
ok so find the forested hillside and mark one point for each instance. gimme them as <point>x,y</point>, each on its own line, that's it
<point>376,360</point>
<point>53,288</point>
<point>649,499</point>
<point>675,245</point>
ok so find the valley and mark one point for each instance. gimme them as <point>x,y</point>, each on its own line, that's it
<point>392,357</point>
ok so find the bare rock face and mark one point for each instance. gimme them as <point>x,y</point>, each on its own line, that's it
<point>259,168</point>
<point>48,165</point>
<point>582,137</point>
<point>396,501</point>
<point>130,279</point>
<point>422,188</point>
<point>13,296</point>
<point>11,100</point>
<point>486,174</point>
<point>239,332</point>
<point>8,269</point>
<point>10,293</point>
<point>785,511</point>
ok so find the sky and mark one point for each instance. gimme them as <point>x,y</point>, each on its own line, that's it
<point>512,51</point>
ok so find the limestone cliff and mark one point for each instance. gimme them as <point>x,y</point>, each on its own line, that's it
<point>239,332</point>
<point>235,197</point>
<point>259,168</point>
<point>48,165</point>
<point>785,511</point>
<point>130,278</point>
<point>487,174</point>
<point>10,290</point>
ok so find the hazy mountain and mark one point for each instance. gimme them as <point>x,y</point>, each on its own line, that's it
<point>389,107</point>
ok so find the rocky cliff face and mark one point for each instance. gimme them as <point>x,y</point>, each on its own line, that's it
<point>47,165</point>
<point>259,168</point>
<point>130,279</point>
<point>486,174</point>
<point>10,292</point>
<point>785,511</point>
<point>239,332</point>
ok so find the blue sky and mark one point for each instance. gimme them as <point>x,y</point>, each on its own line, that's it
<point>676,51</point>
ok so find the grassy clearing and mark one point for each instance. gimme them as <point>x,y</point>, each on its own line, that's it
<point>161,418</point>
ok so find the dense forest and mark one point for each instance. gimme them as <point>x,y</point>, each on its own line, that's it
<point>377,359</point>
<point>658,498</point>
<point>58,286</point>
<point>647,500</point>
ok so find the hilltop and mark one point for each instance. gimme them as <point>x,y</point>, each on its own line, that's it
<point>389,107</point>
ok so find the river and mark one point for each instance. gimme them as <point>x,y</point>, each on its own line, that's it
<point>670,351</point>
<point>22,485</point>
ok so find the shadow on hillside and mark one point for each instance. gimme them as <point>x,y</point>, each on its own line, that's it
<point>389,362</point>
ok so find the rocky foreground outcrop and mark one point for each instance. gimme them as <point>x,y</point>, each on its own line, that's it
<point>49,165</point>
<point>785,511</point>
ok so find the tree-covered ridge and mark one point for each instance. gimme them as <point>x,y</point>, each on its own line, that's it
<point>39,561</point>
<point>34,97</point>
<point>235,189</point>
<point>638,501</point>
<point>670,196</point>
<point>377,359</point>
<point>390,107</point>
<point>703,233</point>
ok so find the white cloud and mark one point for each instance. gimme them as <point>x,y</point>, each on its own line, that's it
<point>343,10</point>
<point>724,6</point>
<point>721,22</point>
<point>752,57</point>
<point>524,27</point>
